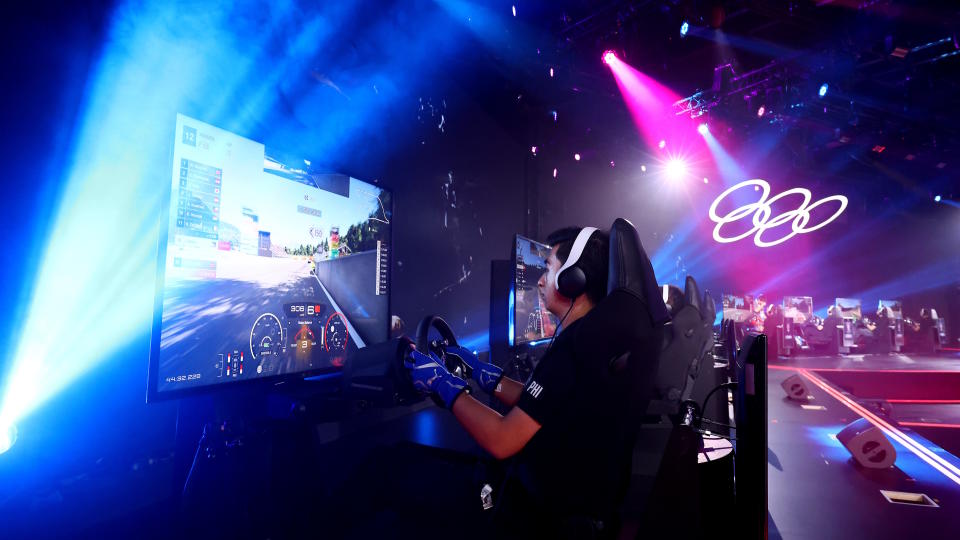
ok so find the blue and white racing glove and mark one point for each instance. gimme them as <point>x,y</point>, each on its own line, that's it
<point>430,376</point>
<point>486,375</point>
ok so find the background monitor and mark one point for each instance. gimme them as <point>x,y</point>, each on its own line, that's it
<point>531,320</point>
<point>798,308</point>
<point>895,306</point>
<point>737,308</point>
<point>266,268</point>
<point>849,308</point>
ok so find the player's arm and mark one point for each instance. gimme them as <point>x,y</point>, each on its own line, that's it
<point>502,436</point>
<point>489,377</point>
<point>536,404</point>
<point>508,391</point>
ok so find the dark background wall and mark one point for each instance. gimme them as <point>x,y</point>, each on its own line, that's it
<point>472,117</point>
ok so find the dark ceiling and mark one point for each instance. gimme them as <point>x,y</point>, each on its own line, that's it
<point>891,67</point>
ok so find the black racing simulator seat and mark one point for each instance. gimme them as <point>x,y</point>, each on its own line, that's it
<point>688,340</point>
<point>664,490</point>
<point>646,370</point>
<point>649,370</point>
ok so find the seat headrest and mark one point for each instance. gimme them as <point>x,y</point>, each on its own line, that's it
<point>673,298</point>
<point>692,293</point>
<point>709,308</point>
<point>631,270</point>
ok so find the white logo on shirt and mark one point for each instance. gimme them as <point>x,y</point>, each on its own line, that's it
<point>534,389</point>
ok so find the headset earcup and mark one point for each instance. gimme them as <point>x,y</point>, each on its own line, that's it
<point>572,282</point>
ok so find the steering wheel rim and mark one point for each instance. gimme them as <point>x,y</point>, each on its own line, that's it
<point>425,346</point>
<point>441,326</point>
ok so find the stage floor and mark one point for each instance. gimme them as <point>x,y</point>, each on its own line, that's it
<point>816,490</point>
<point>879,362</point>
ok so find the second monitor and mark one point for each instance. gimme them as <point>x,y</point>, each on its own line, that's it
<point>531,322</point>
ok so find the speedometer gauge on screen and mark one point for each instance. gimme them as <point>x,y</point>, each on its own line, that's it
<point>267,268</point>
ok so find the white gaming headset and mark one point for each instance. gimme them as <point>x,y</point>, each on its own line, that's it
<point>571,281</point>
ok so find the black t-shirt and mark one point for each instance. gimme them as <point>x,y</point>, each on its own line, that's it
<point>588,409</point>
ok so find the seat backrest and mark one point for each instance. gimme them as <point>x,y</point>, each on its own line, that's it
<point>674,298</point>
<point>681,347</point>
<point>709,308</point>
<point>692,292</point>
<point>687,341</point>
<point>632,313</point>
<point>626,328</point>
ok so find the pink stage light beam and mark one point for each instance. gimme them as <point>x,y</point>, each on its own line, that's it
<point>651,106</point>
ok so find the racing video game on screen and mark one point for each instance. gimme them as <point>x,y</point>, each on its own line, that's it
<point>532,321</point>
<point>269,268</point>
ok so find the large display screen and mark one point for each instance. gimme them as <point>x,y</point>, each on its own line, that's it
<point>737,308</point>
<point>798,308</point>
<point>894,307</point>
<point>745,309</point>
<point>531,320</point>
<point>267,267</point>
<point>849,308</point>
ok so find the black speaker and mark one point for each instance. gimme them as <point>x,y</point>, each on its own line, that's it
<point>867,444</point>
<point>795,388</point>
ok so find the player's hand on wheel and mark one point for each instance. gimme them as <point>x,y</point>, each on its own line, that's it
<point>487,376</point>
<point>430,376</point>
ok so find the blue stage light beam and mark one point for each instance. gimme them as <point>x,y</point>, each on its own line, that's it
<point>837,246</point>
<point>949,202</point>
<point>730,170</point>
<point>753,45</point>
<point>94,286</point>
<point>501,34</point>
<point>924,279</point>
<point>8,437</point>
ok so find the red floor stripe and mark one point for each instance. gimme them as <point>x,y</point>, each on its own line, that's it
<point>948,469</point>
<point>795,368</point>
<point>927,401</point>
<point>927,424</point>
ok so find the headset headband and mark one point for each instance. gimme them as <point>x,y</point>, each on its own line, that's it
<point>575,252</point>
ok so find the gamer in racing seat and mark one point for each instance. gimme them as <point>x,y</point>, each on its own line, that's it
<point>572,425</point>
<point>819,333</point>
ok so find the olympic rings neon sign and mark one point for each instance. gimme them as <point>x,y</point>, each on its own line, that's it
<point>761,214</point>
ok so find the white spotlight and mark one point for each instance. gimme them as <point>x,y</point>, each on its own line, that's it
<point>675,170</point>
